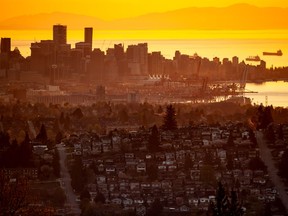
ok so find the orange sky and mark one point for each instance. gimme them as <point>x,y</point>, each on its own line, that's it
<point>113,9</point>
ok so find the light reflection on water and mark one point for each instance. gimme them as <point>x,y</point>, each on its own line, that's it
<point>276,93</point>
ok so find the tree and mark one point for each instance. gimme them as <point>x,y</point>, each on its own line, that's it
<point>160,110</point>
<point>152,172</point>
<point>99,198</point>
<point>123,115</point>
<point>56,163</point>
<point>252,137</point>
<point>154,142</point>
<point>225,206</point>
<point>78,113</point>
<point>58,137</point>
<point>283,165</point>
<point>62,118</point>
<point>230,141</point>
<point>188,164</point>
<point>264,116</point>
<point>26,154</point>
<point>156,208</point>
<point>280,132</point>
<point>207,174</point>
<point>59,197</point>
<point>78,175</point>
<point>85,194</point>
<point>42,135</point>
<point>170,122</point>
<point>230,163</point>
<point>270,134</point>
<point>13,195</point>
<point>257,164</point>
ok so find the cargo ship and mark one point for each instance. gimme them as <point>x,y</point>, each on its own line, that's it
<point>278,53</point>
<point>253,58</point>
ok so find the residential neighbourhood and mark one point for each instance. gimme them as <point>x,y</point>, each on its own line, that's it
<point>182,175</point>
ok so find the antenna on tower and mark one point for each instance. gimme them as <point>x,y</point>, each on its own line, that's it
<point>266,100</point>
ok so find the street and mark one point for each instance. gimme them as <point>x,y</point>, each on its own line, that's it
<point>66,183</point>
<point>265,154</point>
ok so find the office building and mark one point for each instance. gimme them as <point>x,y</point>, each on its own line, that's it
<point>5,45</point>
<point>88,35</point>
<point>137,56</point>
<point>59,34</point>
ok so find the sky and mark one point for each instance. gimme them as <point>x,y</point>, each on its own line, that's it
<point>115,9</point>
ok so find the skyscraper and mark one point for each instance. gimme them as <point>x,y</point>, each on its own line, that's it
<point>5,45</point>
<point>88,35</point>
<point>59,34</point>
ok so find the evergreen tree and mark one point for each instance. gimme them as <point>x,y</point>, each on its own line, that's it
<point>270,134</point>
<point>257,164</point>
<point>100,198</point>
<point>252,137</point>
<point>56,163</point>
<point>264,116</point>
<point>26,153</point>
<point>221,207</point>
<point>58,137</point>
<point>67,123</point>
<point>280,132</point>
<point>62,118</point>
<point>170,122</point>
<point>283,165</point>
<point>235,209</point>
<point>78,113</point>
<point>42,135</point>
<point>230,141</point>
<point>225,206</point>
<point>160,110</point>
<point>154,140</point>
<point>188,164</point>
<point>85,194</point>
<point>156,208</point>
<point>78,175</point>
<point>152,172</point>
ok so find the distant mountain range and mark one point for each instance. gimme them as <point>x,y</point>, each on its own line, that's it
<point>235,17</point>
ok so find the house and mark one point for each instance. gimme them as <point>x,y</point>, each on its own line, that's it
<point>30,173</point>
<point>193,201</point>
<point>110,169</point>
<point>129,155</point>
<point>116,201</point>
<point>184,208</point>
<point>134,185</point>
<point>140,210</point>
<point>127,202</point>
<point>195,175</point>
<point>138,201</point>
<point>141,167</point>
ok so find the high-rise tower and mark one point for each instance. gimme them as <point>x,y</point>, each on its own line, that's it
<point>88,35</point>
<point>59,34</point>
<point>5,45</point>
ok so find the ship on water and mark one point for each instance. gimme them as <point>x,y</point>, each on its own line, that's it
<point>278,53</point>
<point>253,58</point>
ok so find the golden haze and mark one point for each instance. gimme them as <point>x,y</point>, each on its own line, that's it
<point>113,9</point>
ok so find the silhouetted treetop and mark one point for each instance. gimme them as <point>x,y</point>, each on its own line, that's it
<point>170,122</point>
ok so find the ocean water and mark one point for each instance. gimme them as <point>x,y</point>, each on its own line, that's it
<point>210,44</point>
<point>274,93</point>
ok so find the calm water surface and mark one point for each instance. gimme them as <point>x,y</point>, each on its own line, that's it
<point>275,92</point>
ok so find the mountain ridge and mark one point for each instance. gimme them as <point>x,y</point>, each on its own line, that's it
<point>234,17</point>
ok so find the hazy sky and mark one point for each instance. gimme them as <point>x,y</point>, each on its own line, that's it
<point>113,9</point>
